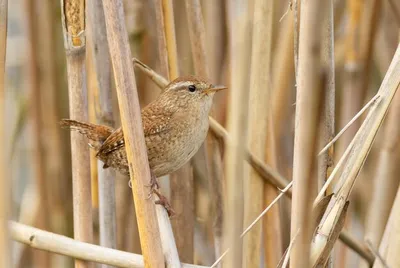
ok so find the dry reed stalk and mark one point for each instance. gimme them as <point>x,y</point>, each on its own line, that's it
<point>330,225</point>
<point>390,245</point>
<point>42,220</point>
<point>309,94</point>
<point>266,172</point>
<point>161,40</point>
<point>260,84</point>
<point>54,151</point>
<point>169,29</point>
<point>211,151</point>
<point>102,99</point>
<point>239,39</point>
<point>5,193</point>
<point>59,244</point>
<point>214,30</point>
<point>73,22</point>
<point>327,132</point>
<point>386,180</point>
<point>133,132</point>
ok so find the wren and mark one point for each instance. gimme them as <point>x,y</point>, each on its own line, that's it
<point>175,125</point>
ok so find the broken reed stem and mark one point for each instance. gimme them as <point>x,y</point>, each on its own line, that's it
<point>5,193</point>
<point>73,24</point>
<point>239,39</point>
<point>266,172</point>
<point>308,98</point>
<point>131,120</point>
<point>260,84</point>
<point>330,224</point>
<point>63,245</point>
<point>104,116</point>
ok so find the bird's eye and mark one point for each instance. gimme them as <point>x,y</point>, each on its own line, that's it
<point>192,88</point>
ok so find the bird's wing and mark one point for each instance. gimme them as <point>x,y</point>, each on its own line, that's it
<point>155,121</point>
<point>112,143</point>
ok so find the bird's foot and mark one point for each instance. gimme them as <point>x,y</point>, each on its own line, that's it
<point>163,201</point>
<point>153,183</point>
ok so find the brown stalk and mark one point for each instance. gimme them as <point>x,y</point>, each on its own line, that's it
<point>161,40</point>
<point>133,132</point>
<point>169,30</point>
<point>325,161</point>
<point>309,93</point>
<point>239,39</point>
<point>5,204</point>
<point>260,84</point>
<point>42,221</point>
<point>102,99</point>
<point>59,244</point>
<point>74,26</point>
<point>390,245</point>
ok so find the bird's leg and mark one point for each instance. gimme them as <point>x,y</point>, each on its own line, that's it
<point>153,182</point>
<point>163,201</point>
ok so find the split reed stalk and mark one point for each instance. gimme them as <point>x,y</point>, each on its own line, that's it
<point>74,26</point>
<point>104,116</point>
<point>332,221</point>
<point>306,130</point>
<point>239,38</point>
<point>5,193</point>
<point>390,245</point>
<point>133,132</point>
<point>59,244</point>
<point>260,86</point>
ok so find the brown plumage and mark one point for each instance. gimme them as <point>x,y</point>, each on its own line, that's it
<point>175,125</point>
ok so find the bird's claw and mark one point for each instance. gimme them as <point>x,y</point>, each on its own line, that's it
<point>163,201</point>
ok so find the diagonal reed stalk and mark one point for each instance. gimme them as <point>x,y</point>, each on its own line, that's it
<point>59,244</point>
<point>329,227</point>
<point>5,204</point>
<point>74,26</point>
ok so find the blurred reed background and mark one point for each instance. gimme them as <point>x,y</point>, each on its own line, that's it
<point>338,51</point>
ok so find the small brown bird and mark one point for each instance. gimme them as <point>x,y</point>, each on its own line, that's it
<point>175,125</point>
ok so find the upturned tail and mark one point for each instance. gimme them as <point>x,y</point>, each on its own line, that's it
<point>97,134</point>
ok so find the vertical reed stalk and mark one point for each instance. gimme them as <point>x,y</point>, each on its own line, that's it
<point>325,161</point>
<point>306,126</point>
<point>182,194</point>
<point>74,28</point>
<point>5,204</point>
<point>161,40</point>
<point>117,37</point>
<point>236,146</point>
<point>104,116</point>
<point>42,221</point>
<point>260,85</point>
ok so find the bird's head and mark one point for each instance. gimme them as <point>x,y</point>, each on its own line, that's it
<point>192,88</point>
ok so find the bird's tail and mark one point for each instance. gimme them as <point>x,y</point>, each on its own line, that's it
<point>95,133</point>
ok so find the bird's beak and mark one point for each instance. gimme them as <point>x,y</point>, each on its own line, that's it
<point>214,89</point>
